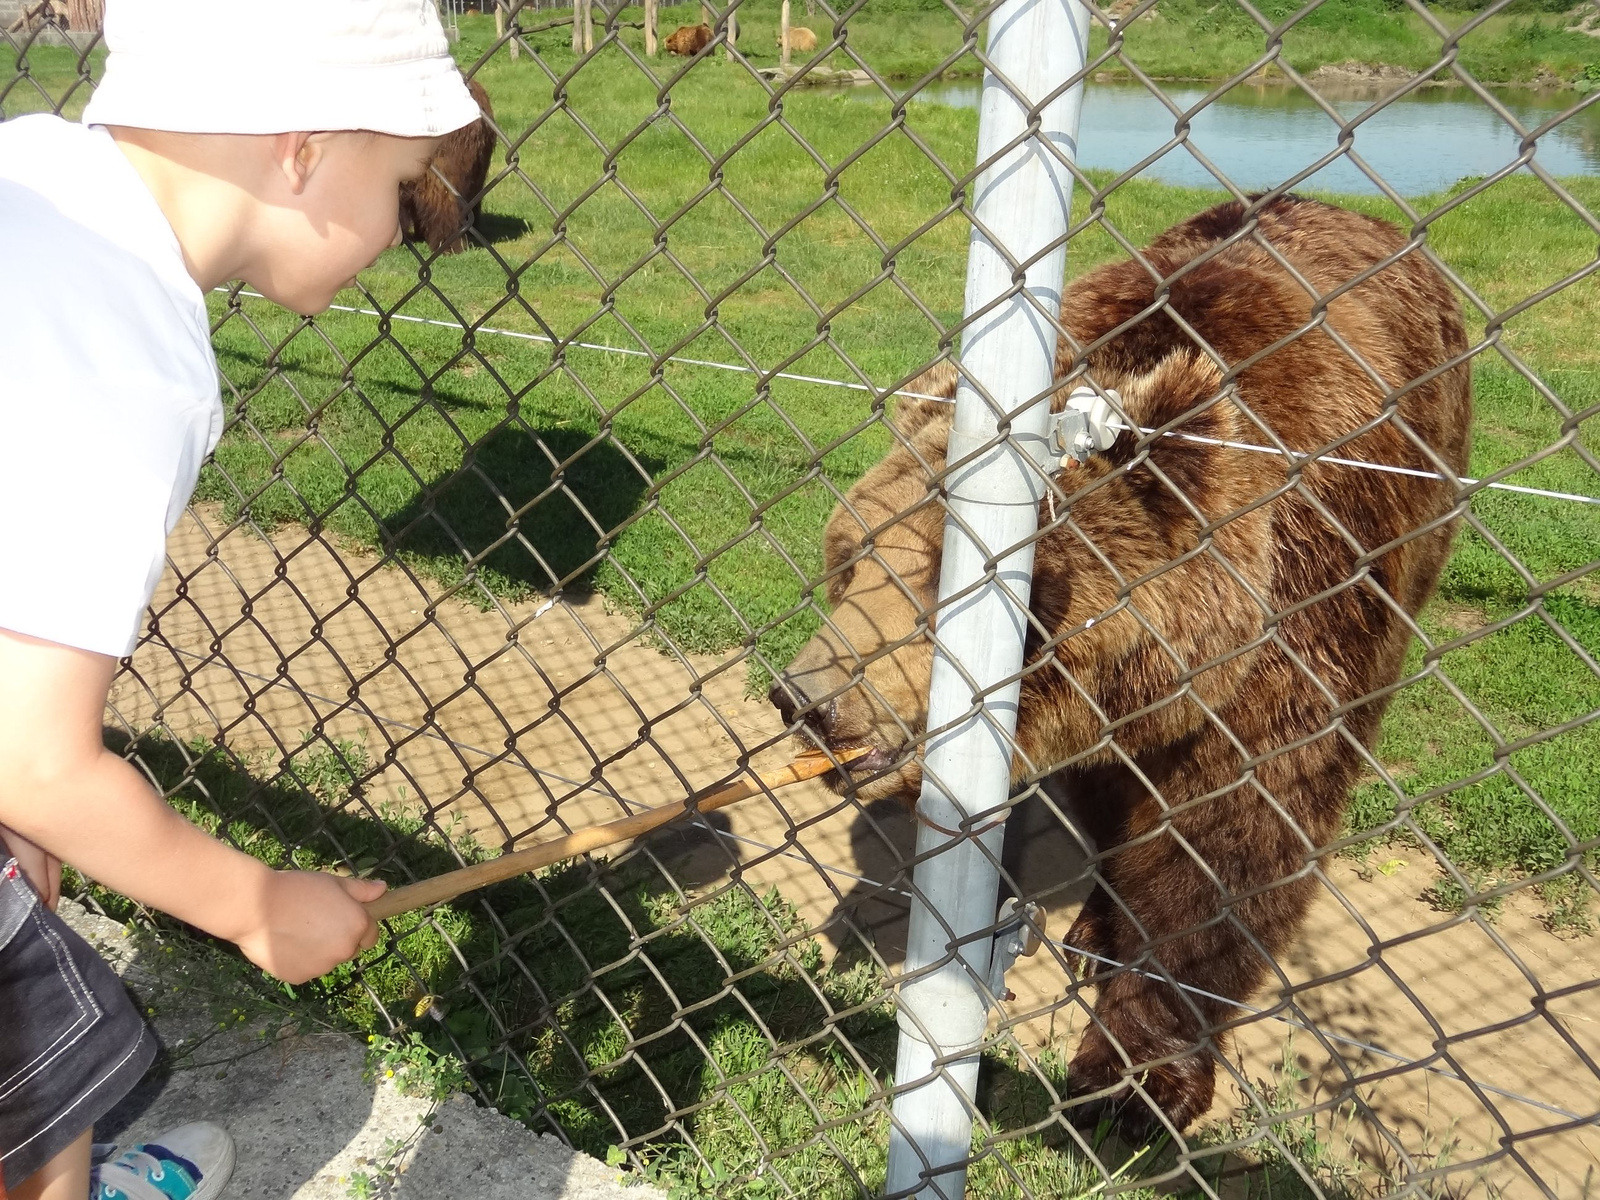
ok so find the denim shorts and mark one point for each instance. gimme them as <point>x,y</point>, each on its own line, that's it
<point>71,1041</point>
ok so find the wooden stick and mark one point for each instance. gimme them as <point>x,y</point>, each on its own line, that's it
<point>453,883</point>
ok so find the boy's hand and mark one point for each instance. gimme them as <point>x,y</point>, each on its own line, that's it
<point>66,796</point>
<point>41,869</point>
<point>310,923</point>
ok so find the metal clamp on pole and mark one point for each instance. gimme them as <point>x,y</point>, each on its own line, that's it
<point>1088,424</point>
<point>1019,934</point>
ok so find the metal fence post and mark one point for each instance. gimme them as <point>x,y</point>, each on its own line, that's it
<point>1022,199</point>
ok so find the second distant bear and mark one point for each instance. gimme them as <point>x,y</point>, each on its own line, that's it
<point>801,40</point>
<point>688,40</point>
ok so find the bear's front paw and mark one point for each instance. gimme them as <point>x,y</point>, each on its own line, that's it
<point>1091,942</point>
<point>1181,1089</point>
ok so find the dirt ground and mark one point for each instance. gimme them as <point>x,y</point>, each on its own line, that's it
<point>1431,1040</point>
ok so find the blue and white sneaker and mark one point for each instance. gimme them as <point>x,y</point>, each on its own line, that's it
<point>191,1162</point>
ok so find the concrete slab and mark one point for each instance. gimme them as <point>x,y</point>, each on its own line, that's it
<point>309,1126</point>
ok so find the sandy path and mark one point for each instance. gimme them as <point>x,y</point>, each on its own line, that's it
<point>506,716</point>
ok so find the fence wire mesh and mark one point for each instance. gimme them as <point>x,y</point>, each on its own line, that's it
<point>534,535</point>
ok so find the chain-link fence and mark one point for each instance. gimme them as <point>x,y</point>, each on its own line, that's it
<point>1305,800</point>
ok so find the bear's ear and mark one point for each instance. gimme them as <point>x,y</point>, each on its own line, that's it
<point>1181,382</point>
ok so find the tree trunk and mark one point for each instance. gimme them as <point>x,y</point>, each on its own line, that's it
<point>783,34</point>
<point>650,28</point>
<point>577,26</point>
<point>733,30</point>
<point>84,15</point>
<point>588,26</point>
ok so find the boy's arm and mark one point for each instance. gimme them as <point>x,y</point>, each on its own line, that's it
<point>62,790</point>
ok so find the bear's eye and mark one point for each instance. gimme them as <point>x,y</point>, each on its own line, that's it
<point>839,548</point>
<point>839,584</point>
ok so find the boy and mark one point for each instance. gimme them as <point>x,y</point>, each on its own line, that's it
<point>229,139</point>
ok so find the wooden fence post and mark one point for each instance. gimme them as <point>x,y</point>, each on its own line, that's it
<point>650,28</point>
<point>588,25</point>
<point>577,26</point>
<point>733,29</point>
<point>783,34</point>
<point>500,28</point>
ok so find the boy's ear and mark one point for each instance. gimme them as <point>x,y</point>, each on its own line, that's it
<point>297,155</point>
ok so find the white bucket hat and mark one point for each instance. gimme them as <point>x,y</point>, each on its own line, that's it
<point>279,66</point>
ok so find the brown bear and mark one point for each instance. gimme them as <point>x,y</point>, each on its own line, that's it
<point>801,40</point>
<point>688,40</point>
<point>439,211</point>
<point>1215,629</point>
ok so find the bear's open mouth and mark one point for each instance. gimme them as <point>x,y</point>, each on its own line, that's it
<point>869,759</point>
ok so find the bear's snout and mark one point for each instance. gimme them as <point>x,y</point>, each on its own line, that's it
<point>789,697</point>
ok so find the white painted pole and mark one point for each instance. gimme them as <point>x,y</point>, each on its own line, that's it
<point>1024,198</point>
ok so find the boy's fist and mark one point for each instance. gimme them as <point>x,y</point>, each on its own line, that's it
<point>40,868</point>
<point>310,923</point>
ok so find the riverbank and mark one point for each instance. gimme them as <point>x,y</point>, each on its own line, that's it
<point>1340,42</point>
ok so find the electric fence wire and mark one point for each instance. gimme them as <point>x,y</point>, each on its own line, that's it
<point>680,360</point>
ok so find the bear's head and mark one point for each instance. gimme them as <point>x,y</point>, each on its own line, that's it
<point>1100,654</point>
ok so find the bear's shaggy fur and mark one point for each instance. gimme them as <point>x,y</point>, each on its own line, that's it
<point>440,207</point>
<point>1214,631</point>
<point>801,40</point>
<point>688,40</point>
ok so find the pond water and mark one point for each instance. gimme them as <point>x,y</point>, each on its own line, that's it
<point>1261,135</point>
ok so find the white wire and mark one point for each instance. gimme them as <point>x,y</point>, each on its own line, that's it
<point>861,387</point>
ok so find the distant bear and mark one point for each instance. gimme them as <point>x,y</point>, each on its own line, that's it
<point>801,40</point>
<point>439,211</point>
<point>688,40</point>
<point>1230,627</point>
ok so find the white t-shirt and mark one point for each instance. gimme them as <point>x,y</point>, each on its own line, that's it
<point>108,386</point>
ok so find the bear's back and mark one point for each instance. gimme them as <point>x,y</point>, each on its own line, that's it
<point>1367,372</point>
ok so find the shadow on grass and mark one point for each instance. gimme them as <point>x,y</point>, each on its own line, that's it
<point>699,1031</point>
<point>536,509</point>
<point>492,228</point>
